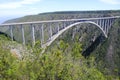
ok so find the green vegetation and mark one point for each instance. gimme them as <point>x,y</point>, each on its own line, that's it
<point>54,65</point>
<point>108,53</point>
<point>85,56</point>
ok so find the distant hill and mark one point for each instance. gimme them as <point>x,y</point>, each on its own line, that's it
<point>65,15</point>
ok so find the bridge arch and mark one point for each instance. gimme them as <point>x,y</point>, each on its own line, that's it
<point>68,27</point>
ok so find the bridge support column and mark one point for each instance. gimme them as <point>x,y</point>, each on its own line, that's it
<point>105,25</point>
<point>23,35</point>
<point>40,33</point>
<point>97,22</point>
<point>58,28</point>
<point>101,23</point>
<point>11,32</point>
<point>42,30</point>
<point>109,22</point>
<point>33,35</point>
<point>50,32</point>
<point>64,25</point>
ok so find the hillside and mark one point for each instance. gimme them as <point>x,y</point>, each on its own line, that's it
<point>53,65</point>
<point>108,53</point>
<point>65,15</point>
<point>105,51</point>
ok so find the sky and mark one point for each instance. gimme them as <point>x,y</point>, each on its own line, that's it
<point>10,9</point>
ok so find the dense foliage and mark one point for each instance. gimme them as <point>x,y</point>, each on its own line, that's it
<point>54,65</point>
<point>108,52</point>
<point>64,60</point>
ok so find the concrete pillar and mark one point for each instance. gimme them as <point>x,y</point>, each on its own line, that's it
<point>97,21</point>
<point>105,24</point>
<point>33,35</point>
<point>63,25</point>
<point>40,33</point>
<point>106,27</point>
<point>23,35</point>
<point>108,23</point>
<point>11,32</point>
<point>42,30</point>
<point>50,32</point>
<point>101,23</point>
<point>58,28</point>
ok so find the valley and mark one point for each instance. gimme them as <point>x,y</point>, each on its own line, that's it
<point>80,52</point>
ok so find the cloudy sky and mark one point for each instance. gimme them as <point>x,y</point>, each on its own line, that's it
<point>16,8</point>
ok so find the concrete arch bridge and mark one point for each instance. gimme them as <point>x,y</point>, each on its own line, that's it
<point>49,30</point>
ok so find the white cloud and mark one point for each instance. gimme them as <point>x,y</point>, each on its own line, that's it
<point>14,5</point>
<point>29,1</point>
<point>114,2</point>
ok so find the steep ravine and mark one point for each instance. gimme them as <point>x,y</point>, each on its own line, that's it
<point>108,53</point>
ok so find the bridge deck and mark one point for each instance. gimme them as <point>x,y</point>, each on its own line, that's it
<point>50,21</point>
